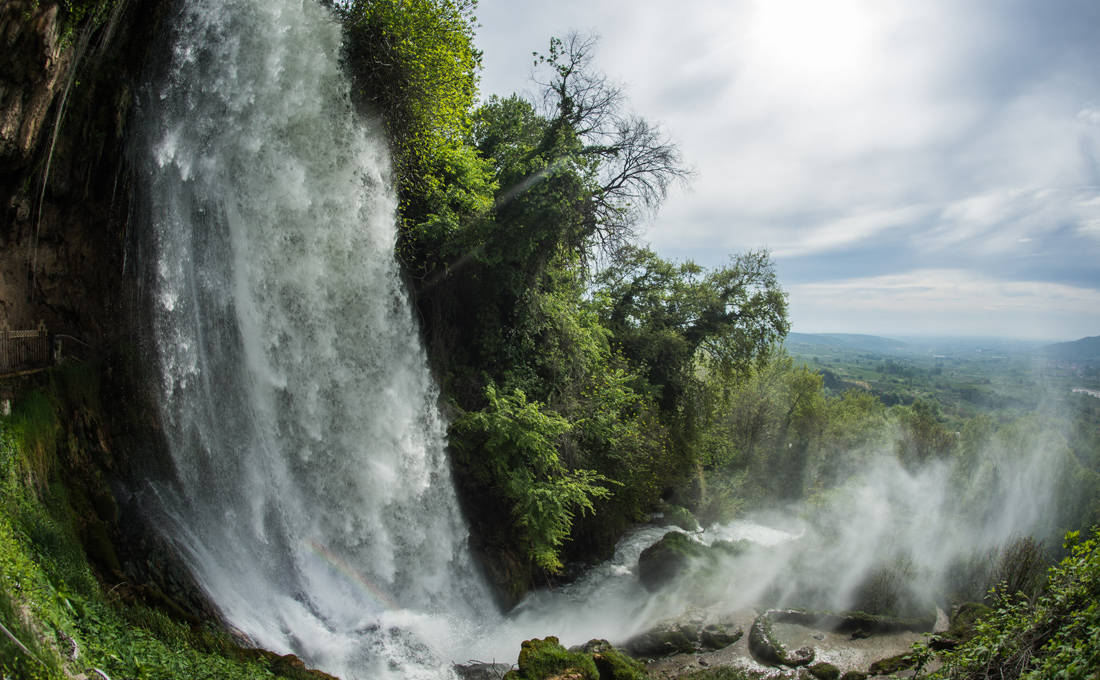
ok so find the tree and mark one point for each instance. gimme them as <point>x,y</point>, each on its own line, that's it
<point>414,65</point>
<point>661,314</point>
<point>632,162</point>
<point>513,446</point>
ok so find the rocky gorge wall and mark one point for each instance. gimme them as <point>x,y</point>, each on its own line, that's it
<point>68,76</point>
<point>70,79</point>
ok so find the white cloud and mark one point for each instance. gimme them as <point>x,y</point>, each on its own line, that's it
<point>934,300</point>
<point>1090,115</point>
<point>937,129</point>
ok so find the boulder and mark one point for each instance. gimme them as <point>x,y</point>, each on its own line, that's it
<point>718,636</point>
<point>665,639</point>
<point>767,648</point>
<point>546,659</point>
<point>680,516</point>
<point>668,559</point>
<point>611,663</point>
<point>481,671</point>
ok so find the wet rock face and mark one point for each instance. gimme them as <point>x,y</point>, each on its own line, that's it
<point>32,71</point>
<point>482,671</point>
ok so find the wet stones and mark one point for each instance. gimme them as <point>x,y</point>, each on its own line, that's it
<point>767,648</point>
<point>481,671</point>
<point>682,637</point>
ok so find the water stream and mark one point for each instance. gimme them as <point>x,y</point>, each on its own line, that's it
<point>313,499</point>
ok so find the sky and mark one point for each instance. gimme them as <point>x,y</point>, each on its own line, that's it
<point>924,167</point>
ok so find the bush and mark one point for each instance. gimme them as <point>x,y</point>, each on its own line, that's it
<point>1054,635</point>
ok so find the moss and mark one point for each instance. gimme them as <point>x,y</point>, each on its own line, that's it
<point>36,431</point>
<point>680,516</point>
<point>50,598</point>
<point>891,665</point>
<point>854,675</point>
<point>612,664</point>
<point>668,558</point>
<point>546,658</point>
<point>824,671</point>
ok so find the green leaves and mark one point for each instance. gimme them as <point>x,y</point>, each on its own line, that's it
<point>1057,635</point>
<point>517,442</point>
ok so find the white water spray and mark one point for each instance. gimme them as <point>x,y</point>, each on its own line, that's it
<point>314,501</point>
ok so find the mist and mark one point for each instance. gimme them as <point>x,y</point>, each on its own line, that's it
<point>893,539</point>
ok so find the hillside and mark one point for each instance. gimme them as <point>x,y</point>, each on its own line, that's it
<point>1085,349</point>
<point>854,341</point>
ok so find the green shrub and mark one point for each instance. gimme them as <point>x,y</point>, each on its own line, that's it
<point>513,446</point>
<point>1054,635</point>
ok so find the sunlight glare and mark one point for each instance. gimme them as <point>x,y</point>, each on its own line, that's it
<point>814,44</point>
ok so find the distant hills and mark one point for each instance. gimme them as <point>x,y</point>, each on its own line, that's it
<point>1085,349</point>
<point>855,341</point>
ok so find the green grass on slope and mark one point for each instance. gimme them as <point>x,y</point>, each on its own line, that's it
<point>57,618</point>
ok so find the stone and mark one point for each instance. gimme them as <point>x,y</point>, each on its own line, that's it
<point>668,559</point>
<point>481,671</point>
<point>717,636</point>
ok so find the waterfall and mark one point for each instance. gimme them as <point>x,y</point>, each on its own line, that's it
<point>313,499</point>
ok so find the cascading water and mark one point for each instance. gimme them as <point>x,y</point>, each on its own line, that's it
<point>314,501</point>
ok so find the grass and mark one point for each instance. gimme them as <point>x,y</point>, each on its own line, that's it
<point>49,593</point>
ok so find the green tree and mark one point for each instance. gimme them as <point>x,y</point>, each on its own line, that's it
<point>661,314</point>
<point>512,446</point>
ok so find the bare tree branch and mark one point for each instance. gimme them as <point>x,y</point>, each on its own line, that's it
<point>634,162</point>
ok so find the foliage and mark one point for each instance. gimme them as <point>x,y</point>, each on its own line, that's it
<point>50,599</point>
<point>662,314</point>
<point>571,424</point>
<point>414,64</point>
<point>923,436</point>
<point>518,444</point>
<point>1056,635</point>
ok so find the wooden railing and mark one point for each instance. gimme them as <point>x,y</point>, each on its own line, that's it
<point>24,350</point>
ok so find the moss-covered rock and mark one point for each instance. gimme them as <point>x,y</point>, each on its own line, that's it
<point>290,666</point>
<point>824,671</point>
<point>546,659</point>
<point>668,559</point>
<point>719,636</point>
<point>854,675</point>
<point>767,648</point>
<point>612,664</point>
<point>680,516</point>
<point>891,665</point>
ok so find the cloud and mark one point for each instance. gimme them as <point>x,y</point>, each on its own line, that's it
<point>924,301</point>
<point>850,134</point>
